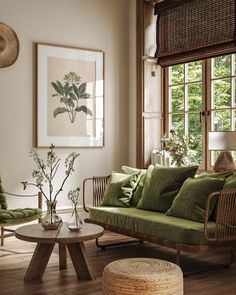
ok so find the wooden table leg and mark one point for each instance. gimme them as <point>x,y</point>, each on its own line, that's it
<point>39,262</point>
<point>80,261</point>
<point>62,256</point>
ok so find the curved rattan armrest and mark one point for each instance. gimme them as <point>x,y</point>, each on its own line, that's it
<point>98,186</point>
<point>39,195</point>
<point>225,216</point>
<point>208,202</point>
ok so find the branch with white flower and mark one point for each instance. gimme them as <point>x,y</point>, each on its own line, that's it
<point>45,172</point>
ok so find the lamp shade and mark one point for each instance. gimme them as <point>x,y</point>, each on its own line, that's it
<point>222,140</point>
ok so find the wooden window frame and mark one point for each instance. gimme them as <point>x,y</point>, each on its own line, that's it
<point>206,106</point>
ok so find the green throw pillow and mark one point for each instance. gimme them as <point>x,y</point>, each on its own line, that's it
<point>119,190</point>
<point>230,182</point>
<point>190,202</point>
<point>3,202</point>
<point>131,170</point>
<point>162,187</point>
<point>139,189</point>
<point>223,175</point>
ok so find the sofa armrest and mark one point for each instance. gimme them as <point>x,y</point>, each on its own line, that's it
<point>98,184</point>
<point>225,232</point>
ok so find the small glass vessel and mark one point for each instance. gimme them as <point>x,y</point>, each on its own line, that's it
<point>74,223</point>
<point>51,220</point>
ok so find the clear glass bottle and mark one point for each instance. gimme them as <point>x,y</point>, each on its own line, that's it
<point>74,223</point>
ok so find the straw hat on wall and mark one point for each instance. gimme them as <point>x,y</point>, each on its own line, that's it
<point>9,46</point>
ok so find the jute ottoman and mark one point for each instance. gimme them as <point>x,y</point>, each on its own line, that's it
<point>142,276</point>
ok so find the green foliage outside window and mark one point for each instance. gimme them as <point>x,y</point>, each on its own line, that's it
<point>186,103</point>
<point>185,99</point>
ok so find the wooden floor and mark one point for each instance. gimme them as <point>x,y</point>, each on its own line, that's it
<point>15,256</point>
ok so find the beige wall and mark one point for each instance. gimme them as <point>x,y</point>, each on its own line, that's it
<point>100,24</point>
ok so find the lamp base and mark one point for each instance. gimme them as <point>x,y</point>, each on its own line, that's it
<point>224,162</point>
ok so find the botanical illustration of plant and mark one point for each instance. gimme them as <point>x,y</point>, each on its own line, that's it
<point>70,93</point>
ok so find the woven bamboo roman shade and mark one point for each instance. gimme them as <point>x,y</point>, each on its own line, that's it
<point>194,29</point>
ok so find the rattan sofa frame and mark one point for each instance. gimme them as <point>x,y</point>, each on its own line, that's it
<point>224,238</point>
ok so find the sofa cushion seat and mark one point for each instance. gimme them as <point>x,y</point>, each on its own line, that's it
<point>19,215</point>
<point>153,223</point>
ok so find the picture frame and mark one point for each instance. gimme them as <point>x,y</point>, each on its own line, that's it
<point>70,96</point>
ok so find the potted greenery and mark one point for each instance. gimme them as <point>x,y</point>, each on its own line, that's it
<point>178,148</point>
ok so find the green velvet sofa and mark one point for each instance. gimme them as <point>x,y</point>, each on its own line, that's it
<point>215,232</point>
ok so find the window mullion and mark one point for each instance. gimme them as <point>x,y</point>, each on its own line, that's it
<point>209,70</point>
<point>186,109</point>
<point>232,91</point>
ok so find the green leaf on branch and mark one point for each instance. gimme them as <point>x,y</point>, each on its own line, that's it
<point>84,109</point>
<point>82,88</point>
<point>58,87</point>
<point>72,96</point>
<point>85,95</point>
<point>58,111</point>
<point>66,88</point>
<point>70,102</point>
<point>76,91</point>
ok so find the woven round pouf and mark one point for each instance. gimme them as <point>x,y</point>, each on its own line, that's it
<point>142,276</point>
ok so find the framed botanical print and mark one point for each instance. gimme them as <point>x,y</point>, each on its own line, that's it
<point>70,96</point>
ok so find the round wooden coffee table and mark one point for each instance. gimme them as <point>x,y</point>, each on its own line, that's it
<point>46,240</point>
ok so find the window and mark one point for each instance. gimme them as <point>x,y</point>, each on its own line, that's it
<point>185,102</point>
<point>222,103</point>
<point>198,93</point>
<point>200,97</point>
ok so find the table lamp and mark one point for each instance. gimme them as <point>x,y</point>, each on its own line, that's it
<point>224,141</point>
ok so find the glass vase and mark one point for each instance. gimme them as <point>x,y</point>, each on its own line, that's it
<point>74,223</point>
<point>51,220</point>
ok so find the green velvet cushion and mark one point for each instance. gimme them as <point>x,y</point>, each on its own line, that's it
<point>222,175</point>
<point>215,175</point>
<point>131,170</point>
<point>162,187</point>
<point>139,189</point>
<point>190,202</point>
<point>153,223</point>
<point>120,188</point>
<point>230,182</point>
<point>10,216</point>
<point>3,202</point>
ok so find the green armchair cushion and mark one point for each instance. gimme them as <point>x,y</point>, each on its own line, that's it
<point>3,202</point>
<point>139,189</point>
<point>190,203</point>
<point>19,215</point>
<point>120,188</point>
<point>162,187</point>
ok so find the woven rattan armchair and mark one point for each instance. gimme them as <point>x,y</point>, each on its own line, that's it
<point>12,217</point>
